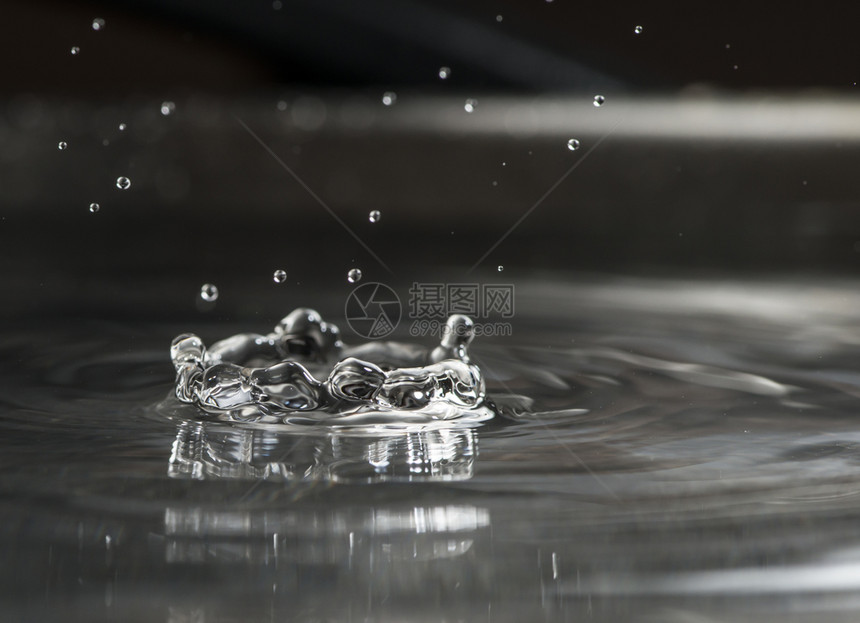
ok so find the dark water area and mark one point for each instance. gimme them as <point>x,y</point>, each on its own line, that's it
<point>669,450</point>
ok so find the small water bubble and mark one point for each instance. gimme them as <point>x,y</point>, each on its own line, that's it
<point>470,105</point>
<point>389,98</point>
<point>94,207</point>
<point>98,24</point>
<point>123,183</point>
<point>75,50</point>
<point>500,268</point>
<point>122,127</point>
<point>444,73</point>
<point>598,100</point>
<point>62,145</point>
<point>638,30</point>
<point>374,216</point>
<point>573,144</point>
<point>167,108</point>
<point>354,275</point>
<point>279,276</point>
<point>209,292</point>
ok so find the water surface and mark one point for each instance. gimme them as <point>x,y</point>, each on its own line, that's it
<point>666,450</point>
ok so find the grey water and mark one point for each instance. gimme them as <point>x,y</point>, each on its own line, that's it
<point>660,450</point>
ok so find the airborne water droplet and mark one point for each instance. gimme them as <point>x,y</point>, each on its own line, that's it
<point>500,268</point>
<point>98,23</point>
<point>444,73</point>
<point>374,216</point>
<point>470,105</point>
<point>280,276</point>
<point>389,98</point>
<point>122,127</point>
<point>75,50</point>
<point>123,183</point>
<point>354,275</point>
<point>598,100</point>
<point>167,108</point>
<point>208,292</point>
<point>638,30</point>
<point>94,207</point>
<point>573,144</point>
<point>62,145</point>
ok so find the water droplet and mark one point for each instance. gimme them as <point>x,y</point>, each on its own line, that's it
<point>734,67</point>
<point>277,5</point>
<point>62,145</point>
<point>499,18</point>
<point>75,50</point>
<point>209,292</point>
<point>167,108</point>
<point>500,268</point>
<point>374,216</point>
<point>354,275</point>
<point>598,100</point>
<point>470,105</point>
<point>638,30</point>
<point>122,127</point>
<point>282,105</point>
<point>444,73</point>
<point>123,183</point>
<point>280,276</point>
<point>94,207</point>
<point>573,144</point>
<point>98,24</point>
<point>389,98</point>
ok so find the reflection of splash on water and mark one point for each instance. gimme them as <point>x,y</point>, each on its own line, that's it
<point>355,534</point>
<point>205,450</point>
<point>394,557</point>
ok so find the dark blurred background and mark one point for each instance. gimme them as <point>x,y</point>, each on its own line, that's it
<point>229,47</point>
<point>728,143</point>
